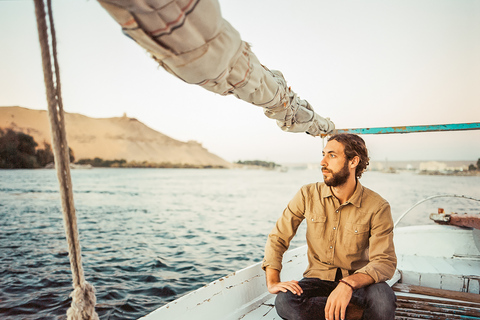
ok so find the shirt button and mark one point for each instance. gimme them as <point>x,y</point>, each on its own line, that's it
<point>313,219</point>
<point>356,231</point>
<point>336,211</point>
<point>334,228</point>
<point>331,247</point>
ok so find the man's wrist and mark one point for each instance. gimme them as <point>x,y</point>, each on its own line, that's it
<point>272,276</point>
<point>348,284</point>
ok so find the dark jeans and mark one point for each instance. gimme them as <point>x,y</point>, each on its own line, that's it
<point>378,300</point>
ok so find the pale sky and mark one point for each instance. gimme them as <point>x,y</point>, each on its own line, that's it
<point>362,63</point>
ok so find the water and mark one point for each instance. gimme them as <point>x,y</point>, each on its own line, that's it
<point>151,235</point>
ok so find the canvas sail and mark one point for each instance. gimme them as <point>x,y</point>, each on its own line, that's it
<point>191,40</point>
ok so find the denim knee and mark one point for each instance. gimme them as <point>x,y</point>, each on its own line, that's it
<point>283,304</point>
<point>379,301</point>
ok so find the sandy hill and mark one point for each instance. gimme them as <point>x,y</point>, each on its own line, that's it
<point>110,138</point>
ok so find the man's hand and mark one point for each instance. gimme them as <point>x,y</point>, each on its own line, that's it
<point>339,298</point>
<point>337,302</point>
<point>291,286</point>
<point>275,286</point>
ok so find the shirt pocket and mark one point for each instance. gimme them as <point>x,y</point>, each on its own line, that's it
<point>356,237</point>
<point>316,226</point>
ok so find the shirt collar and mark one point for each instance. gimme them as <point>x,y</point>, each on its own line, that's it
<point>356,198</point>
<point>326,191</point>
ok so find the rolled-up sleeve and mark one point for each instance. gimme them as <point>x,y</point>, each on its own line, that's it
<point>382,258</point>
<point>285,229</point>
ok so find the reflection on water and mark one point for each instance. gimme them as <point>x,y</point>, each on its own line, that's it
<point>150,235</point>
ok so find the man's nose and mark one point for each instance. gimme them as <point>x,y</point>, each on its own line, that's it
<point>323,163</point>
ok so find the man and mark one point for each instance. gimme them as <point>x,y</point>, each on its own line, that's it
<point>349,239</point>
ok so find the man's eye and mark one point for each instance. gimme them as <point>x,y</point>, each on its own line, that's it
<point>332,155</point>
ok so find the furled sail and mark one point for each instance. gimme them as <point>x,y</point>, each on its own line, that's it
<point>191,40</point>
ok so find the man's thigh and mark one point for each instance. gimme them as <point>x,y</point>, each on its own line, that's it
<point>378,300</point>
<point>310,304</point>
<point>375,292</point>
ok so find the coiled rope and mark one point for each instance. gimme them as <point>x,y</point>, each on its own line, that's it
<point>83,295</point>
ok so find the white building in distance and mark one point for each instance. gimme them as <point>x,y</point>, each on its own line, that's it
<point>433,166</point>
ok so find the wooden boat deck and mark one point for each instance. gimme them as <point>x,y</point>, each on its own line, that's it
<point>415,302</point>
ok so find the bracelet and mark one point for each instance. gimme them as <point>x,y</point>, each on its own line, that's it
<point>348,284</point>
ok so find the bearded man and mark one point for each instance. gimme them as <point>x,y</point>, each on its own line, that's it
<point>349,238</point>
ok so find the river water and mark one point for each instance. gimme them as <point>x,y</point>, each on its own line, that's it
<point>151,235</point>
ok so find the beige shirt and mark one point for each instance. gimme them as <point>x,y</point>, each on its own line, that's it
<point>356,236</point>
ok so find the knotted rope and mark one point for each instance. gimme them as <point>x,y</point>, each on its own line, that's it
<point>83,295</point>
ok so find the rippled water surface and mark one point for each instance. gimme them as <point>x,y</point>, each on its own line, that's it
<point>151,235</point>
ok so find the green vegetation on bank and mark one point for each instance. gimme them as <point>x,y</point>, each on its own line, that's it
<point>122,163</point>
<point>472,167</point>
<point>259,163</point>
<point>19,151</point>
<point>100,163</point>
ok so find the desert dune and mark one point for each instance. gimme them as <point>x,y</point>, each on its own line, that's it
<point>110,138</point>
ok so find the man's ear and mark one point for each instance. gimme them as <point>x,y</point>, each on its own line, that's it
<point>354,162</point>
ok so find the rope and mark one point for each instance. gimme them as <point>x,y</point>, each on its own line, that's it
<point>83,295</point>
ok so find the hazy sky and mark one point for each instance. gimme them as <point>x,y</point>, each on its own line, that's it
<point>362,63</point>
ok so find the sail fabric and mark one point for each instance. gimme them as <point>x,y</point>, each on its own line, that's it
<point>191,40</point>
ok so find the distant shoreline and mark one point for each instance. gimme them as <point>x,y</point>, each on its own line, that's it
<point>459,173</point>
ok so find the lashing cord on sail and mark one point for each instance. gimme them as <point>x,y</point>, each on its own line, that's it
<point>83,296</point>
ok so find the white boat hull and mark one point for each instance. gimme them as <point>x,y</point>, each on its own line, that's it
<point>439,257</point>
<point>442,257</point>
<point>234,296</point>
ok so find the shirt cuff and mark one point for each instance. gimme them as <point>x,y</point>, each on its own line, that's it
<point>271,264</point>
<point>371,272</point>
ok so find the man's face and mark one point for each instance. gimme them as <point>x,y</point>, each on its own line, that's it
<point>334,164</point>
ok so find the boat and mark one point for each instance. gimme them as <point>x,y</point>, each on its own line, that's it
<point>437,277</point>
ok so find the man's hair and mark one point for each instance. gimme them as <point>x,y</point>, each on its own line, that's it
<point>354,146</point>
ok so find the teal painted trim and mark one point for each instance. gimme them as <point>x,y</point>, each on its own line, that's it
<point>410,129</point>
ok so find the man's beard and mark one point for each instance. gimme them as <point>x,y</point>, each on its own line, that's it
<point>338,178</point>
